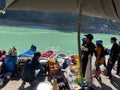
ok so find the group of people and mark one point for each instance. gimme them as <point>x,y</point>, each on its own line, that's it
<point>89,48</point>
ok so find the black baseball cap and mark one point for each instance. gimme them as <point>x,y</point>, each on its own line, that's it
<point>90,36</point>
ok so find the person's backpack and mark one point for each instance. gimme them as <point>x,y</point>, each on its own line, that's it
<point>106,51</point>
<point>102,52</point>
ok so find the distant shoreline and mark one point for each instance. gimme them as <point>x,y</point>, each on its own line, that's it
<point>65,22</point>
<point>55,27</point>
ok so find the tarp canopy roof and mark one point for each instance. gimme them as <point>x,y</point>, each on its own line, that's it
<point>102,8</point>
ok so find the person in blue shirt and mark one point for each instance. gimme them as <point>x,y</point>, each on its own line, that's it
<point>28,72</point>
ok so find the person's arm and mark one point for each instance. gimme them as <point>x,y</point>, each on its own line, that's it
<point>91,49</point>
<point>114,53</point>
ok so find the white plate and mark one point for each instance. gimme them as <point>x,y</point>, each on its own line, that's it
<point>43,60</point>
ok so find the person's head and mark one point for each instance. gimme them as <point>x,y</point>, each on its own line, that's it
<point>3,52</point>
<point>89,38</point>
<point>83,40</point>
<point>99,42</point>
<point>113,40</point>
<point>37,55</point>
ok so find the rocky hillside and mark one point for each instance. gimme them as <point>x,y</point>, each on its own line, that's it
<point>60,21</point>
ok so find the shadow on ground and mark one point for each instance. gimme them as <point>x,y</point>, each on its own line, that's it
<point>103,86</point>
<point>33,86</point>
<point>116,82</point>
<point>15,77</point>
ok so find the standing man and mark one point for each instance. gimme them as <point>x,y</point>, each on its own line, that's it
<point>118,63</point>
<point>87,49</point>
<point>113,56</point>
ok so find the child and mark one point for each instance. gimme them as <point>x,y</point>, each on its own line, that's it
<point>100,56</point>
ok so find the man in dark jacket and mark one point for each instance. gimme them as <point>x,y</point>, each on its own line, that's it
<point>31,66</point>
<point>118,63</point>
<point>87,49</point>
<point>113,56</point>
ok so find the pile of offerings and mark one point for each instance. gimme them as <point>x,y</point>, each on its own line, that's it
<point>64,70</point>
<point>70,66</point>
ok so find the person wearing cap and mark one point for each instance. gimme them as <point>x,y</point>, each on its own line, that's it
<point>118,63</point>
<point>113,56</point>
<point>100,56</point>
<point>87,49</point>
<point>30,67</point>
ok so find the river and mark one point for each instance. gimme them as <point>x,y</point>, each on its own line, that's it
<point>61,41</point>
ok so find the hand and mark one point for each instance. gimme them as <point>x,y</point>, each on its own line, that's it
<point>118,54</point>
<point>82,48</point>
<point>110,62</point>
<point>96,62</point>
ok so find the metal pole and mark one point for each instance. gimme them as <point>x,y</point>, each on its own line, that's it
<point>79,32</point>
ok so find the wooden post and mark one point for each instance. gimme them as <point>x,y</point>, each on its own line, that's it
<point>79,32</point>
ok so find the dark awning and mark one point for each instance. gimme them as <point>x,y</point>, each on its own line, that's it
<point>102,8</point>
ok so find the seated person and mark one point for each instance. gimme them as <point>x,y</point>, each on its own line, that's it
<point>30,67</point>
